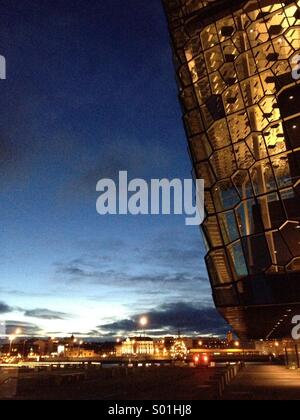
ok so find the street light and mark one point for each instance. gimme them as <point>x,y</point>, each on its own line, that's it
<point>13,337</point>
<point>11,340</point>
<point>143,323</point>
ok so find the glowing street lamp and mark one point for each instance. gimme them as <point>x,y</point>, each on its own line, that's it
<point>143,323</point>
<point>11,340</point>
<point>13,337</point>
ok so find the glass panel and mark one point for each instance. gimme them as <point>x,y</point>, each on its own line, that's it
<point>249,220</point>
<point>262,177</point>
<point>219,135</point>
<point>281,167</point>
<point>243,184</point>
<point>257,254</point>
<point>226,296</point>
<point>224,163</point>
<point>291,235</point>
<point>280,253</point>
<point>219,268</point>
<point>225,195</point>
<point>212,231</point>
<point>200,147</point>
<point>228,227</point>
<point>237,259</point>
<point>272,211</point>
<point>204,171</point>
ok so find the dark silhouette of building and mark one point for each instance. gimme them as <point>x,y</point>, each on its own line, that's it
<point>238,85</point>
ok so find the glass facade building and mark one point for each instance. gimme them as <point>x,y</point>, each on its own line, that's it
<point>237,65</point>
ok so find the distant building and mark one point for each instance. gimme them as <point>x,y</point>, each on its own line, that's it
<point>138,346</point>
<point>230,337</point>
<point>211,343</point>
<point>78,353</point>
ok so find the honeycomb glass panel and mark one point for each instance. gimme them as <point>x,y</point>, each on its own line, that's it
<point>257,146</point>
<point>209,37</point>
<point>241,180</point>
<point>262,177</point>
<point>218,135</point>
<point>201,147</point>
<point>272,211</point>
<point>226,28</point>
<point>294,265</point>
<point>219,268</point>
<point>246,65</point>
<point>194,123</point>
<point>224,163</point>
<point>225,195</point>
<point>280,252</point>
<point>281,167</point>
<point>252,90</point>
<point>249,221</point>
<point>212,231</point>
<point>214,59</point>
<point>217,83</point>
<point>293,37</point>
<point>257,254</point>
<point>197,68</point>
<point>204,171</point>
<point>188,99</point>
<point>275,139</point>
<point>239,126</point>
<point>225,296</point>
<point>203,90</point>
<point>291,204</point>
<point>291,235</point>
<point>228,227</point>
<point>209,202</point>
<point>244,157</point>
<point>233,100</point>
<point>237,260</point>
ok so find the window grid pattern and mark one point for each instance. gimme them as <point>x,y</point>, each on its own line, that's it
<point>242,118</point>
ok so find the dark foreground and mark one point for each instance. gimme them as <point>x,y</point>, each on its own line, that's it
<point>156,383</point>
<point>253,382</point>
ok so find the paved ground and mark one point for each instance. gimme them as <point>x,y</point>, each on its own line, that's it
<point>255,382</point>
<point>138,384</point>
<point>258,382</point>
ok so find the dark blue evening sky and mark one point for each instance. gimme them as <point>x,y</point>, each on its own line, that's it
<point>91,91</point>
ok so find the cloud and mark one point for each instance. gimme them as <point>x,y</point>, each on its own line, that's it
<point>28,329</point>
<point>46,314</point>
<point>5,309</point>
<point>75,273</point>
<point>169,318</point>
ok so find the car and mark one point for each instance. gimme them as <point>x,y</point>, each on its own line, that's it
<point>201,360</point>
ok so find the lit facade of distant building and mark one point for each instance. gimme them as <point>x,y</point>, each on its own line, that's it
<point>235,67</point>
<point>138,346</point>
